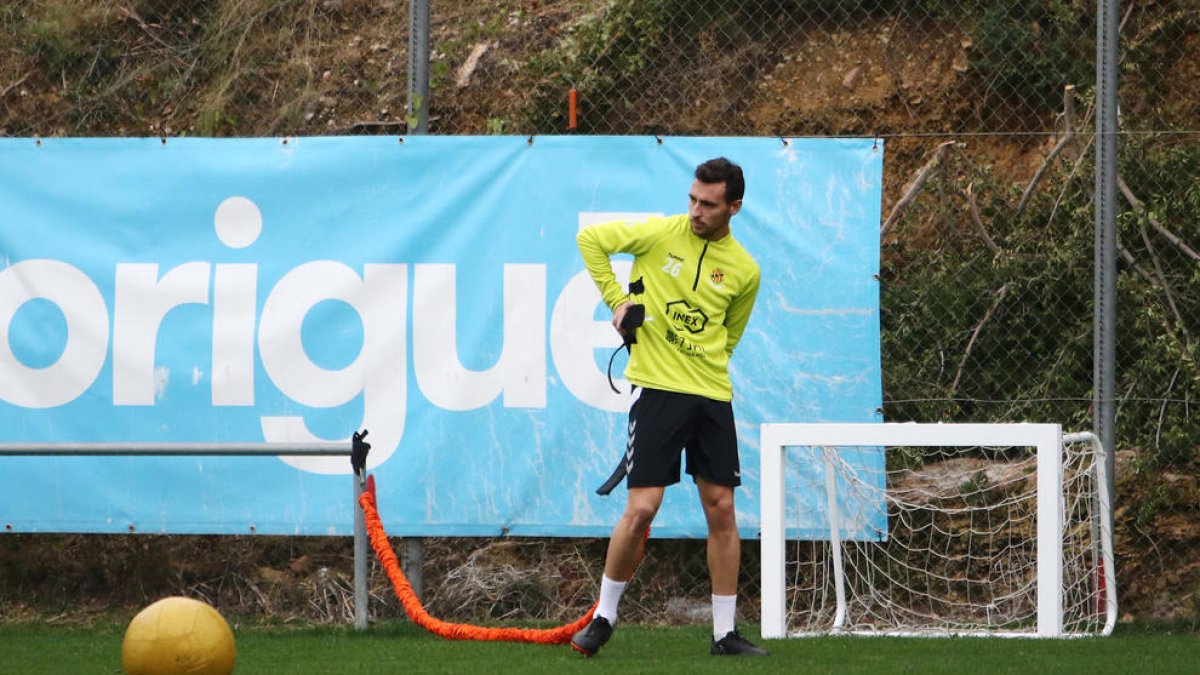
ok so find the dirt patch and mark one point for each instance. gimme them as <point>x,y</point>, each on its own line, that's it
<point>873,78</point>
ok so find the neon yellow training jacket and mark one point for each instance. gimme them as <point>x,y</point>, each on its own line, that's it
<point>698,296</point>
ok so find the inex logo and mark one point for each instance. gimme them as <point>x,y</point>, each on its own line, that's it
<point>685,317</point>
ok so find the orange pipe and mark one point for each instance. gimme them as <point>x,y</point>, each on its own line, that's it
<point>454,631</point>
<point>572,108</point>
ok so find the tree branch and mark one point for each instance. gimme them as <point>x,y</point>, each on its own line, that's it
<point>1150,279</point>
<point>14,85</point>
<point>962,364</point>
<point>1162,283</point>
<point>914,187</point>
<point>974,209</point>
<point>1067,137</point>
<point>1140,207</point>
<point>1066,184</point>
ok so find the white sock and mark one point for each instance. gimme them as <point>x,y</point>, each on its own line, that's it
<point>724,610</point>
<point>610,597</point>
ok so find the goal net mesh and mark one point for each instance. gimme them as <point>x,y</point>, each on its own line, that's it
<point>960,547</point>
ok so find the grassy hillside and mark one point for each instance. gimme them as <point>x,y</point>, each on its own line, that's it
<point>987,250</point>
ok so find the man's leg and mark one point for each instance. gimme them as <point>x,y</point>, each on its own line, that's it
<point>625,545</point>
<point>624,551</point>
<point>724,563</point>
<point>724,546</point>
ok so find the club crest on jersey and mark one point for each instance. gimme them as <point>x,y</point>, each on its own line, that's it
<point>717,276</point>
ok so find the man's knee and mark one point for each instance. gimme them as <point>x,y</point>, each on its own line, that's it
<point>640,515</point>
<point>719,508</point>
<point>641,507</point>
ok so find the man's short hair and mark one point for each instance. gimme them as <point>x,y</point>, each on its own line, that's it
<point>721,170</point>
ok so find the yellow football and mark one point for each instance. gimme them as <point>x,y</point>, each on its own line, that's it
<point>175,636</point>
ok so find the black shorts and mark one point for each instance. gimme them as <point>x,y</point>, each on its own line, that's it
<point>663,424</point>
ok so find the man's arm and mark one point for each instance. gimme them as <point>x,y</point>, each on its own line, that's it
<point>738,314</point>
<point>619,315</point>
<point>597,242</point>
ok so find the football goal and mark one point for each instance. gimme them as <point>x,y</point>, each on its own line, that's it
<point>935,529</point>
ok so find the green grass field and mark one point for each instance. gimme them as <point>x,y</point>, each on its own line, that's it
<point>400,647</point>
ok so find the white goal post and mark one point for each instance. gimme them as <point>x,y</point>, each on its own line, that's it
<point>935,529</point>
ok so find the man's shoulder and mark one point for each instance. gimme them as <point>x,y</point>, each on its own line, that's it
<point>652,220</point>
<point>675,224</point>
<point>661,230</point>
<point>641,225</point>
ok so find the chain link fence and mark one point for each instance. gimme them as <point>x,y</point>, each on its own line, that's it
<point>987,271</point>
<point>988,239</point>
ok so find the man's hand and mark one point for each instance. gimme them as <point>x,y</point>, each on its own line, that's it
<point>619,316</point>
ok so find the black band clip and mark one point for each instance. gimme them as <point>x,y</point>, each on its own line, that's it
<point>634,317</point>
<point>359,448</point>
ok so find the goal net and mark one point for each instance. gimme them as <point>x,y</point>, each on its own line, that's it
<point>935,529</point>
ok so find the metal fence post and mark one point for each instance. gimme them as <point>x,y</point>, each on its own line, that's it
<point>418,67</point>
<point>1105,321</point>
<point>418,123</point>
<point>414,558</point>
<point>361,572</point>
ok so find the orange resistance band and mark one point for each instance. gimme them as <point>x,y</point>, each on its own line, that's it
<point>456,631</point>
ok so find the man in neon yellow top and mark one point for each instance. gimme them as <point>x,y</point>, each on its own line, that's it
<point>696,286</point>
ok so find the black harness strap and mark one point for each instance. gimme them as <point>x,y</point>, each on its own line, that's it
<point>634,317</point>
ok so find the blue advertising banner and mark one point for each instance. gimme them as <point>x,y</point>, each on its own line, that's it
<point>425,288</point>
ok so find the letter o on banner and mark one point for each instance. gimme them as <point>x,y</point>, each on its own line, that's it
<point>77,297</point>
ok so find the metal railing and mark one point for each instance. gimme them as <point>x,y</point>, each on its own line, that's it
<point>331,449</point>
